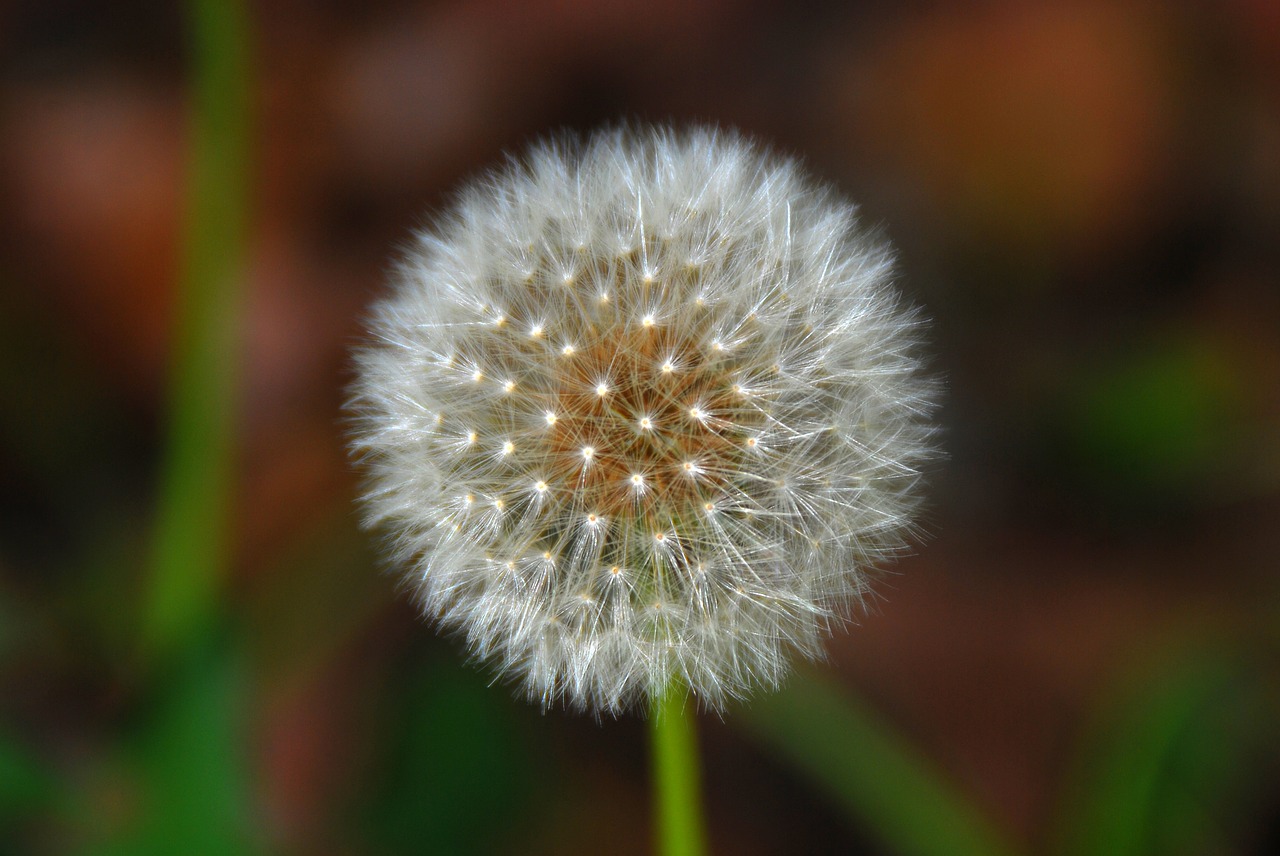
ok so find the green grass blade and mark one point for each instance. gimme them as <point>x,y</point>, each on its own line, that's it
<point>886,786</point>
<point>1146,761</point>
<point>191,765</point>
<point>191,537</point>
<point>26,786</point>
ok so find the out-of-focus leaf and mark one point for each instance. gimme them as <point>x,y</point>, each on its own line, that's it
<point>458,776</point>
<point>1156,769</point>
<point>873,774</point>
<point>25,785</point>
<point>194,793</point>
<point>1154,424</point>
<point>195,486</point>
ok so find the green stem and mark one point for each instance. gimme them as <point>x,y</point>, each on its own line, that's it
<point>677,790</point>
<point>190,548</point>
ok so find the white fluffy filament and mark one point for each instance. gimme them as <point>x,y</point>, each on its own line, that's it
<point>639,409</point>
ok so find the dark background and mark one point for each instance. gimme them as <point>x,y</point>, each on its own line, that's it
<point>1086,201</point>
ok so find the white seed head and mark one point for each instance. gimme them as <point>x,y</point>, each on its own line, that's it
<point>706,378</point>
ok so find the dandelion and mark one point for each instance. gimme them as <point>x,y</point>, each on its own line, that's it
<point>708,415</point>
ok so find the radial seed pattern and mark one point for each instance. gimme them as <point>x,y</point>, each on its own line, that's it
<point>639,410</point>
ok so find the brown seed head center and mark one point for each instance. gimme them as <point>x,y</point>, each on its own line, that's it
<point>649,419</point>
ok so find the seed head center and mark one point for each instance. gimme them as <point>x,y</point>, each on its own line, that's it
<point>649,440</point>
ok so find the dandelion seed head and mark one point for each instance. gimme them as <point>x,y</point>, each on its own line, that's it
<point>704,432</point>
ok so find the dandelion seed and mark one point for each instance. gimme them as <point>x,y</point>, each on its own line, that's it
<point>783,335</point>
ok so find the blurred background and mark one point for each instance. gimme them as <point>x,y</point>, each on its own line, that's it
<point>1084,655</point>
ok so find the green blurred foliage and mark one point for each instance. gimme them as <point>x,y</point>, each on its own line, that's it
<point>1162,418</point>
<point>458,774</point>
<point>874,775</point>
<point>1174,759</point>
<point>27,787</point>
<point>189,765</point>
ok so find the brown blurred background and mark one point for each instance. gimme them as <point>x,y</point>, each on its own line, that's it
<point>1086,200</point>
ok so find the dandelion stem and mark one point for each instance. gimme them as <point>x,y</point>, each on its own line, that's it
<point>189,550</point>
<point>677,791</point>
